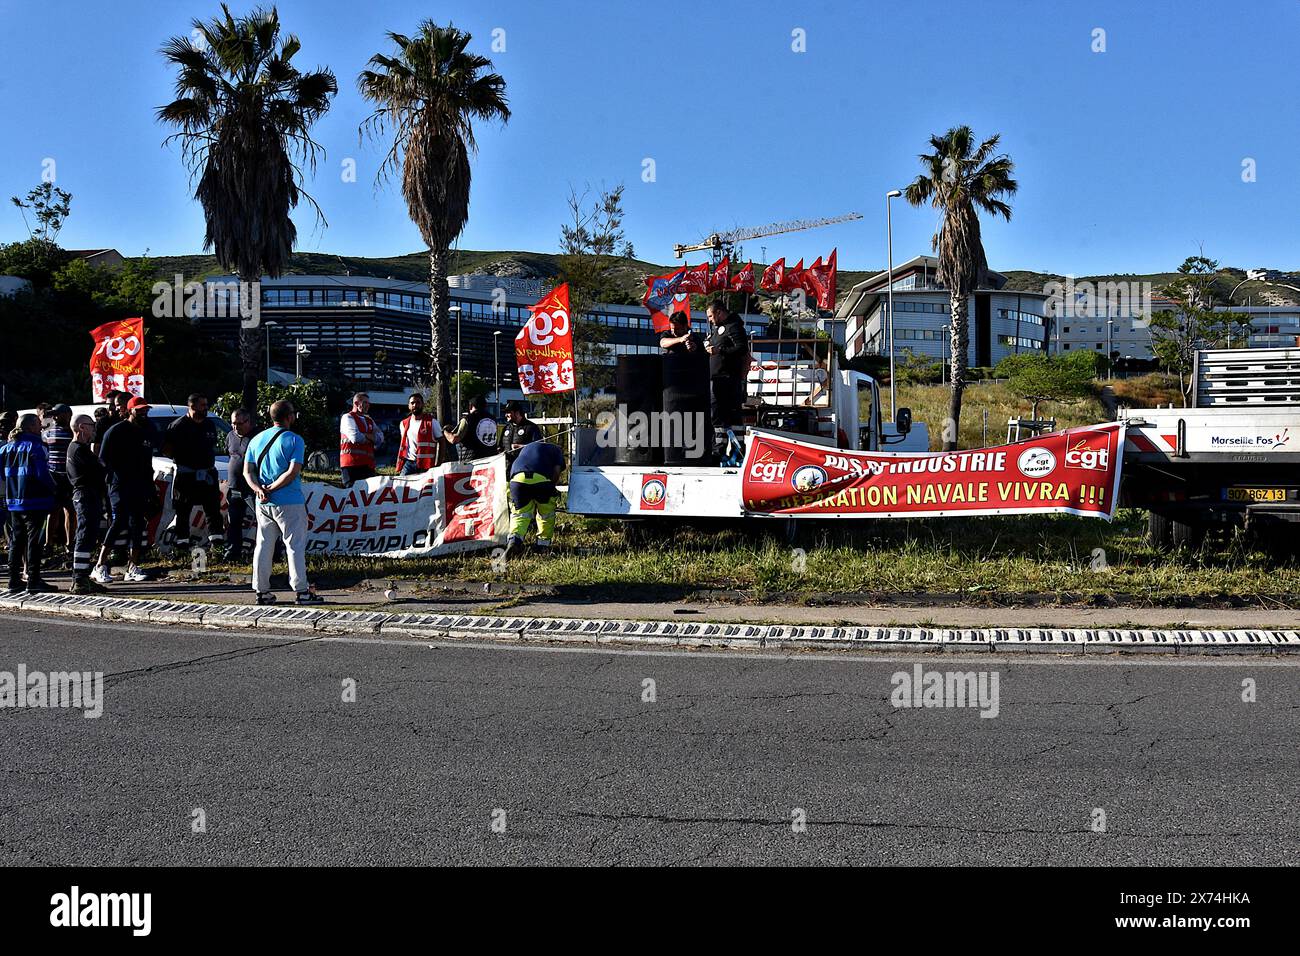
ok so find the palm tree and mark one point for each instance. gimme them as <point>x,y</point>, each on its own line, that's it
<point>244,114</point>
<point>431,91</point>
<point>959,180</point>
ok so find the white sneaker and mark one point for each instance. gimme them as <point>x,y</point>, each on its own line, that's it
<point>101,575</point>
<point>135,576</point>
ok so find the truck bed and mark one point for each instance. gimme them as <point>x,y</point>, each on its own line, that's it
<point>1221,435</point>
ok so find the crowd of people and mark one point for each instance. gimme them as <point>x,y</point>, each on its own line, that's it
<point>79,491</point>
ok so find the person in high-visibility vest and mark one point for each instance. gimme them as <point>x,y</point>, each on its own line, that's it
<point>417,450</point>
<point>359,436</point>
<point>533,495</point>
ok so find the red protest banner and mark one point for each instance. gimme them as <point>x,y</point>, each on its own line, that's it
<point>1070,472</point>
<point>117,361</point>
<point>544,346</point>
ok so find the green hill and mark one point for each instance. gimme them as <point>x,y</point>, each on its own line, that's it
<point>631,273</point>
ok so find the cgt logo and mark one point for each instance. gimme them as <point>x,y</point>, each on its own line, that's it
<point>767,470</point>
<point>1088,451</point>
<point>118,347</point>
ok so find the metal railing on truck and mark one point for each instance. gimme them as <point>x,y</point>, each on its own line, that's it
<point>1246,377</point>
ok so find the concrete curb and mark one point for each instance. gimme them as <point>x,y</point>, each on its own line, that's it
<point>659,633</point>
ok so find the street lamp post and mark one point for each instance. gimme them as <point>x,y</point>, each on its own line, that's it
<point>889,245</point>
<point>300,352</point>
<point>1110,324</point>
<point>456,309</point>
<point>496,369</point>
<point>268,325</point>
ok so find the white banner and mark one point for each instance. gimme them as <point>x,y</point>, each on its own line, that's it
<point>454,507</point>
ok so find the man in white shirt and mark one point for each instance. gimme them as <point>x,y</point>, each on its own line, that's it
<point>417,451</point>
<point>359,436</point>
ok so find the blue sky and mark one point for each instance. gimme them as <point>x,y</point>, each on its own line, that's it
<point>1128,159</point>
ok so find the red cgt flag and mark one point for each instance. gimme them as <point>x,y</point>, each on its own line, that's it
<point>721,278</point>
<point>819,281</point>
<point>743,281</point>
<point>695,279</point>
<point>792,278</point>
<point>117,362</point>
<point>544,346</point>
<point>773,276</point>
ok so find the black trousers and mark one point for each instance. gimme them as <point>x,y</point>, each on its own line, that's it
<point>728,397</point>
<point>189,493</point>
<point>129,523</point>
<point>90,513</point>
<point>26,541</point>
<point>356,473</point>
<point>237,511</point>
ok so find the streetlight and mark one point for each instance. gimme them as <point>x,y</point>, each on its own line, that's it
<point>300,352</point>
<point>1110,323</point>
<point>456,309</point>
<point>268,348</point>
<point>496,368</point>
<point>889,243</point>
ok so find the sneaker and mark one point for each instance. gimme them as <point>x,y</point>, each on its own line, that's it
<point>101,575</point>
<point>310,597</point>
<point>40,587</point>
<point>265,597</point>
<point>514,546</point>
<point>135,575</point>
<point>84,585</point>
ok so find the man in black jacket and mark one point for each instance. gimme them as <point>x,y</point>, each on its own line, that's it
<point>519,431</point>
<point>127,457</point>
<point>728,348</point>
<point>191,443</point>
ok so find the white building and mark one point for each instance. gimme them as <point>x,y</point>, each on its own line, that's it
<point>1001,322</point>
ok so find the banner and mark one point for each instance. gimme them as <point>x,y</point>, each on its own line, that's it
<point>544,346</point>
<point>720,281</point>
<point>454,507</point>
<point>695,279</point>
<point>818,281</point>
<point>743,281</point>
<point>1070,472</point>
<point>117,361</point>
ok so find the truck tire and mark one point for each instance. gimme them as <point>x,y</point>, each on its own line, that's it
<point>1159,532</point>
<point>1186,535</point>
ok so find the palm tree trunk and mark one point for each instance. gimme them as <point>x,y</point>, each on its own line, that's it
<point>439,301</point>
<point>250,360</point>
<point>960,335</point>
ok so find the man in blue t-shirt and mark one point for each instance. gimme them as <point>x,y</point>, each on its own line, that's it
<point>533,494</point>
<point>273,469</point>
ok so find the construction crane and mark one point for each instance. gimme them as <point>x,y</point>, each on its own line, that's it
<point>723,242</point>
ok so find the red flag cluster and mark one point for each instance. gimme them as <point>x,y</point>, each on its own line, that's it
<point>671,293</point>
<point>817,280</point>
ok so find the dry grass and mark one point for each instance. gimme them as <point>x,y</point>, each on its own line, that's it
<point>1147,391</point>
<point>929,404</point>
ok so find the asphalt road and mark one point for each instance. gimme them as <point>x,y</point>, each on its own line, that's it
<point>441,739</point>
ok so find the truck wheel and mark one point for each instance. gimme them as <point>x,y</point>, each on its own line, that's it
<point>1159,532</point>
<point>1185,535</point>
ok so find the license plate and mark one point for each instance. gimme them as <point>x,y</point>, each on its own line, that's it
<point>1254,494</point>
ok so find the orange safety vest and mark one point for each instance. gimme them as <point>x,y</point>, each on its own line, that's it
<point>360,453</point>
<point>426,443</point>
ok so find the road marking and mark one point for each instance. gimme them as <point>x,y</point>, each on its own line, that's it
<point>778,655</point>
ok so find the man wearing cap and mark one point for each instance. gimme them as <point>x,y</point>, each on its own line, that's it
<point>519,431</point>
<point>191,443</point>
<point>359,436</point>
<point>127,458</point>
<point>417,449</point>
<point>57,435</point>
